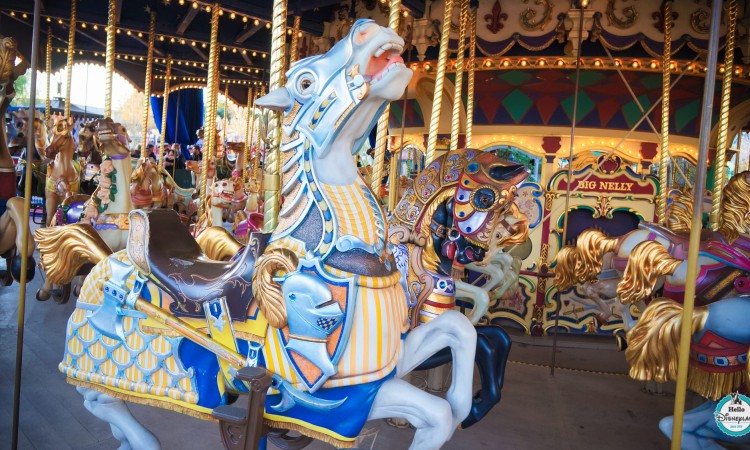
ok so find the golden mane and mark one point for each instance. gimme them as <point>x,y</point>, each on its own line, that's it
<point>567,264</point>
<point>735,207</point>
<point>266,291</point>
<point>680,212</point>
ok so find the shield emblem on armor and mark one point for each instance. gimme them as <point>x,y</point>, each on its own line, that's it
<point>308,367</point>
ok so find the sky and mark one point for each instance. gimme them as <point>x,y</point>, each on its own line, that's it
<point>87,86</point>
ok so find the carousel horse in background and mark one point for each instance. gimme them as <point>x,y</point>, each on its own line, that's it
<point>26,124</point>
<point>597,263</point>
<point>12,220</point>
<point>63,172</point>
<point>304,304</point>
<point>459,211</point>
<point>105,216</point>
<point>250,219</point>
<point>147,187</point>
<point>723,264</point>
<point>224,199</point>
<point>89,157</point>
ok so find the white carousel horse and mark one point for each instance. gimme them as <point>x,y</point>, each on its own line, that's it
<point>106,211</point>
<point>328,264</point>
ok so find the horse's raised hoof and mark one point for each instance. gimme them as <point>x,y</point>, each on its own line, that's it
<point>61,295</point>
<point>15,268</point>
<point>282,440</point>
<point>43,295</point>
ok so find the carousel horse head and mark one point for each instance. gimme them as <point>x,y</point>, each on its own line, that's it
<point>341,92</point>
<point>112,138</point>
<point>9,71</point>
<point>86,140</point>
<point>227,191</point>
<point>735,207</point>
<point>21,120</point>
<point>483,210</point>
<point>62,139</point>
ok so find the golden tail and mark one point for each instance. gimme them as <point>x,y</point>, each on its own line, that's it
<point>653,351</point>
<point>647,262</point>
<point>66,249</point>
<point>566,265</point>
<point>591,246</point>
<point>218,243</point>
<point>266,291</point>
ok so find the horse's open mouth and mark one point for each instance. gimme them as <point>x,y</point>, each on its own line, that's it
<point>385,58</point>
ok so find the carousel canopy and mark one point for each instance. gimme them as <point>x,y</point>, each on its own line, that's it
<point>182,31</point>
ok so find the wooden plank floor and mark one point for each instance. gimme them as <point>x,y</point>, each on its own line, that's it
<point>572,410</point>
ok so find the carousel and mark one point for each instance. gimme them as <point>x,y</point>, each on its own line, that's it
<point>416,186</point>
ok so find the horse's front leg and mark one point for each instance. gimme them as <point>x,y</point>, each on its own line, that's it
<point>453,330</point>
<point>478,297</point>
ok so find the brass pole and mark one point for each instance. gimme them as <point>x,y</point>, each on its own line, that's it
<point>683,359</point>
<point>574,121</point>
<point>294,46</point>
<point>437,98</point>
<point>248,132</point>
<point>25,246</point>
<point>209,122</point>
<point>71,52</point>
<point>722,143</point>
<point>456,119</point>
<point>470,80</point>
<point>393,178</point>
<point>661,207</point>
<point>381,136</point>
<point>109,62</point>
<point>272,179</point>
<point>165,104</point>
<point>147,84</point>
<point>48,63</point>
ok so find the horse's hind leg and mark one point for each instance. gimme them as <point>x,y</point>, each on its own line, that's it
<point>430,415</point>
<point>697,428</point>
<point>125,428</point>
<point>452,330</point>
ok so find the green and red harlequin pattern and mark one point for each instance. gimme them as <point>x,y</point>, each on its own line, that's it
<point>544,97</point>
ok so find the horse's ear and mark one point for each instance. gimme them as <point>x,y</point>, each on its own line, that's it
<point>277,100</point>
<point>506,173</point>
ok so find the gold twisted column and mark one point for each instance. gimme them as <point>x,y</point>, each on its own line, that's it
<point>226,105</point>
<point>48,62</point>
<point>248,144</point>
<point>71,52</point>
<point>256,158</point>
<point>147,83</point>
<point>456,118</point>
<point>472,25</point>
<point>381,136</point>
<point>665,87</point>
<point>722,143</point>
<point>209,121</point>
<point>294,46</point>
<point>437,98</point>
<point>109,62</point>
<point>165,104</point>
<point>272,179</point>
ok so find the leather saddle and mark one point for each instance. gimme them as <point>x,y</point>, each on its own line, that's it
<point>163,248</point>
<point>679,242</point>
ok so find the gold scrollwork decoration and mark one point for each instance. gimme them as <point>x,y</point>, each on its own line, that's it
<point>699,21</point>
<point>529,14</point>
<point>603,207</point>
<point>549,196</point>
<point>629,13</point>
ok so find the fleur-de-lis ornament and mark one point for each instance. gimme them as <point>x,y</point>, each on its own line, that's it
<point>496,18</point>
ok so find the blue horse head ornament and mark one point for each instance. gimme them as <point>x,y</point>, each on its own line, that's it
<point>347,87</point>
